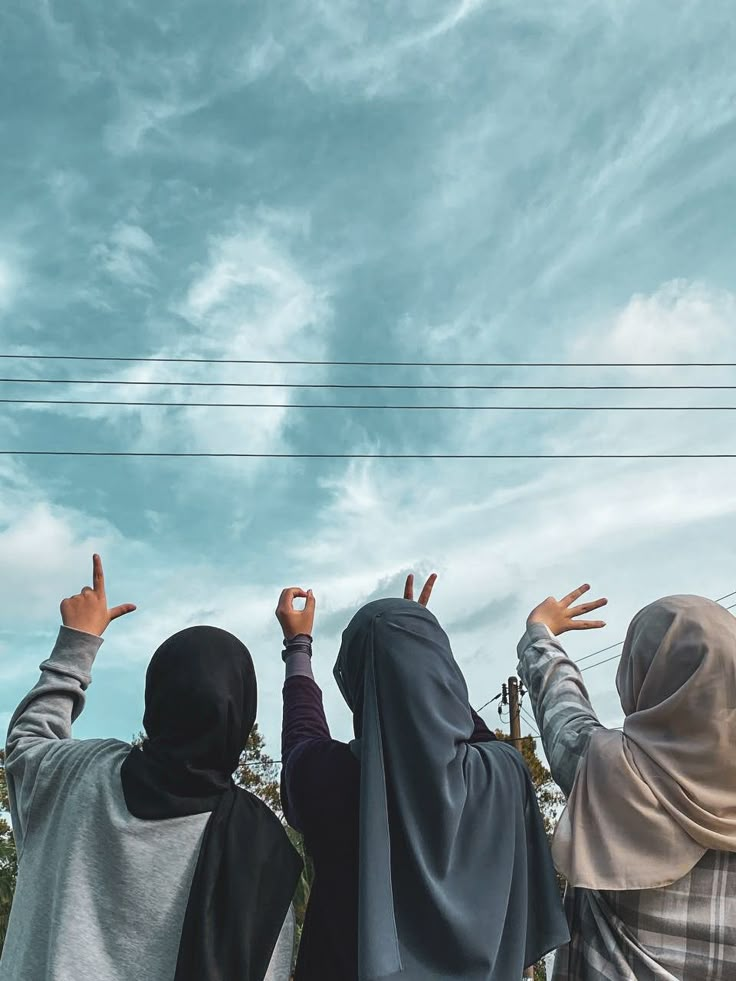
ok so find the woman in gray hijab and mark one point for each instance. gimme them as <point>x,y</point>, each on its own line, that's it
<point>647,842</point>
<point>452,876</point>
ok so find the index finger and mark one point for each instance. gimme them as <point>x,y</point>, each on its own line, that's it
<point>575,594</point>
<point>409,587</point>
<point>427,590</point>
<point>98,576</point>
<point>289,595</point>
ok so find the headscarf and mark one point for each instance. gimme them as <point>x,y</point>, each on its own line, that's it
<point>455,876</point>
<point>648,802</point>
<point>200,708</point>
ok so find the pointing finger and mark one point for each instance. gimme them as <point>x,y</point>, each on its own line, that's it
<point>409,588</point>
<point>98,576</point>
<point>120,611</point>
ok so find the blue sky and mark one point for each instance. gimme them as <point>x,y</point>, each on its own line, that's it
<point>470,180</point>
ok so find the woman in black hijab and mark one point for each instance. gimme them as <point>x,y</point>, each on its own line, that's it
<point>431,861</point>
<point>201,700</point>
<point>143,863</point>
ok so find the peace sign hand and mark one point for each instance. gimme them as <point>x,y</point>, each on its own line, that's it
<point>561,616</point>
<point>88,610</point>
<point>426,591</point>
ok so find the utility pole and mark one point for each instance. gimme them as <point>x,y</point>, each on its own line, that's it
<point>514,711</point>
<point>515,733</point>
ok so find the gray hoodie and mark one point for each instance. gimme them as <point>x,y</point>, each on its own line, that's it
<point>101,895</point>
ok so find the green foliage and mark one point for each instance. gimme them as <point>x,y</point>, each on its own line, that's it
<point>258,772</point>
<point>8,863</point>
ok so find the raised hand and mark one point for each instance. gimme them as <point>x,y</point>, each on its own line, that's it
<point>294,622</point>
<point>426,591</point>
<point>561,616</point>
<point>88,610</point>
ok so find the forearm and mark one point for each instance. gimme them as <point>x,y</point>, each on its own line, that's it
<point>304,715</point>
<point>560,702</point>
<point>49,709</point>
<point>43,720</point>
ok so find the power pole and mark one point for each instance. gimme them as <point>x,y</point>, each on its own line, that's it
<point>515,733</point>
<point>514,711</point>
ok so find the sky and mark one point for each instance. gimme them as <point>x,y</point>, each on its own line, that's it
<point>332,180</point>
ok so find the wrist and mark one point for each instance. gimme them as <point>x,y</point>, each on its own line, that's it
<point>538,625</point>
<point>300,636</point>
<point>83,628</point>
<point>300,644</point>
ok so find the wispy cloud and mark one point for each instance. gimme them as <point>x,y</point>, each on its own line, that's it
<point>468,181</point>
<point>127,255</point>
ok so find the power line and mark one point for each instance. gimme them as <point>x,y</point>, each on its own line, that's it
<point>490,702</point>
<point>529,721</point>
<point>353,386</point>
<point>607,660</point>
<point>438,408</point>
<point>612,647</point>
<point>616,657</point>
<point>375,456</point>
<point>377,364</point>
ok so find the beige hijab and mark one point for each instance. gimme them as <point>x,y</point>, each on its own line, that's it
<point>648,802</point>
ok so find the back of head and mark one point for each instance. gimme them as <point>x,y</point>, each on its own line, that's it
<point>400,647</point>
<point>201,700</point>
<point>664,791</point>
<point>679,653</point>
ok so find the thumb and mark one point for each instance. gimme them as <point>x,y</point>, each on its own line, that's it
<point>120,611</point>
<point>311,603</point>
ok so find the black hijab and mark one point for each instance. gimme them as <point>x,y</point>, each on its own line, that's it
<point>455,876</point>
<point>201,700</point>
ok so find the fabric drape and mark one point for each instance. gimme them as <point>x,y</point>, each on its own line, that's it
<point>455,876</point>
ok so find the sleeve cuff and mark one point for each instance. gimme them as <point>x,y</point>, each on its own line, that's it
<point>299,664</point>
<point>74,654</point>
<point>535,633</point>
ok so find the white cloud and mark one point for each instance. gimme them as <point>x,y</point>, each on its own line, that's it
<point>40,541</point>
<point>680,321</point>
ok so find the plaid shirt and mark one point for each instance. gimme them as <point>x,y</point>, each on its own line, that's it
<point>682,932</point>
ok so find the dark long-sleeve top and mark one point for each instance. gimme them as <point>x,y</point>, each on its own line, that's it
<point>320,791</point>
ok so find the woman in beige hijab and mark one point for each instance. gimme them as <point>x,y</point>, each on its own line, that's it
<point>647,842</point>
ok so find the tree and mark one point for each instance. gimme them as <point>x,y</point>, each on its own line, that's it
<point>258,772</point>
<point>8,862</point>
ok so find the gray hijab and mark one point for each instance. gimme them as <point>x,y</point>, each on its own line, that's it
<point>648,802</point>
<point>456,879</point>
